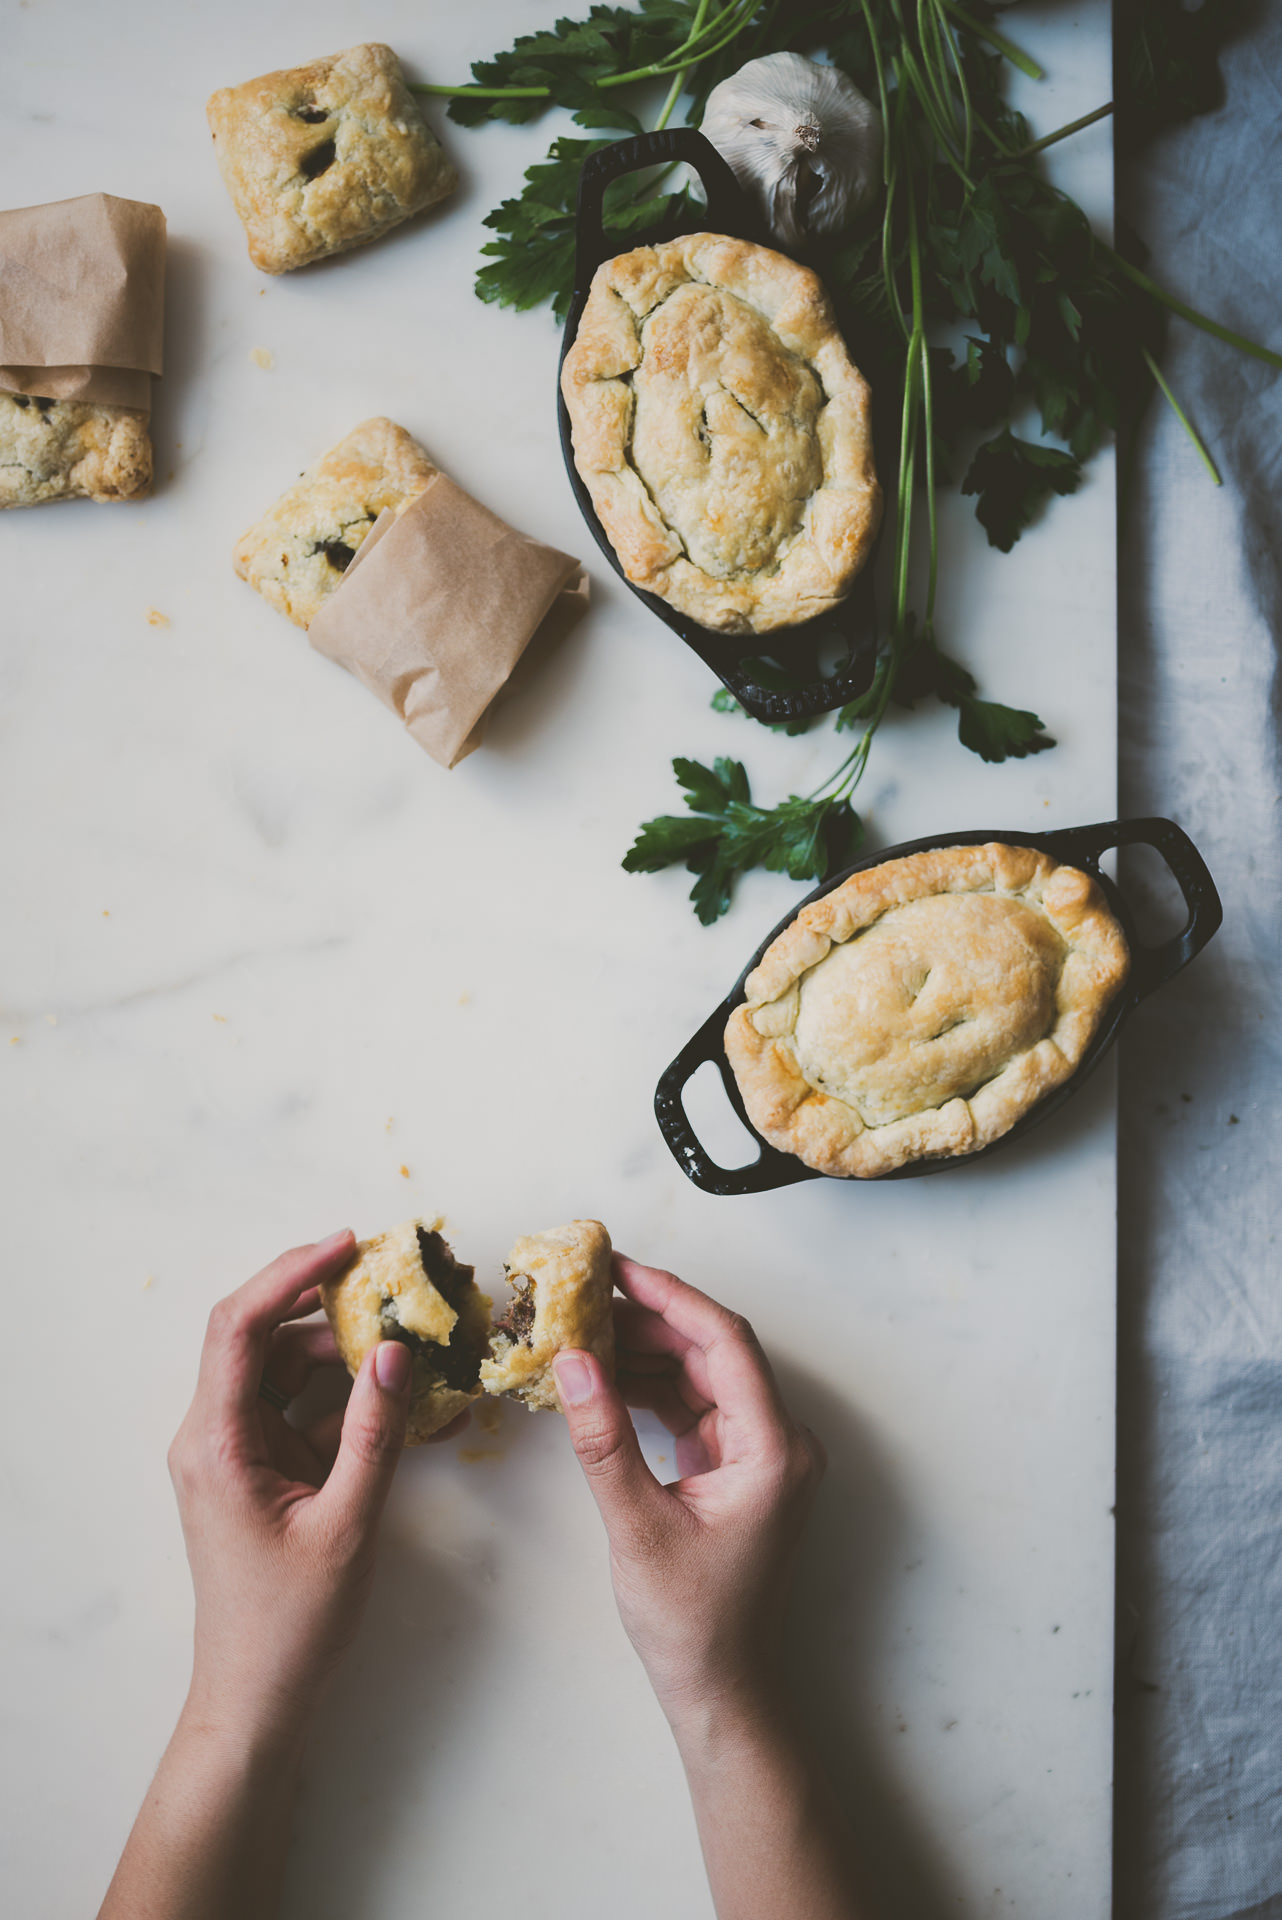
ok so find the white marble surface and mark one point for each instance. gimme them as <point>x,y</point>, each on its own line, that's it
<point>268,970</point>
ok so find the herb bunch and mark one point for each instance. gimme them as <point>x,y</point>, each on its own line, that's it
<point>970,231</point>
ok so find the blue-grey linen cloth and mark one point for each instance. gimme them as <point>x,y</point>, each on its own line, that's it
<point>1199,1683</point>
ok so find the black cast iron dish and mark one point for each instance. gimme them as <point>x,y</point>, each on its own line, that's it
<point>1075,846</point>
<point>851,628</point>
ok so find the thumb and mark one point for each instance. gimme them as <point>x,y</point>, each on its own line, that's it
<point>605,1439</point>
<point>373,1435</point>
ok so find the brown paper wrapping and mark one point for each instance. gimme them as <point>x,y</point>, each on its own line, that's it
<point>82,309</point>
<point>436,609</point>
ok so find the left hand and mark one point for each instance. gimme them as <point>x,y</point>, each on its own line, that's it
<point>281,1524</point>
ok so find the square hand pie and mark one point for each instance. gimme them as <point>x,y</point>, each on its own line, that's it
<point>298,552</point>
<point>723,432</point>
<point>68,449</point>
<point>923,1006</point>
<point>406,1285</point>
<point>321,158</point>
<point>563,1294</point>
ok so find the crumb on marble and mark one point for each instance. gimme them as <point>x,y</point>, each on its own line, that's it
<point>15,1040</point>
<point>474,1456</point>
<point>147,1282</point>
<point>261,357</point>
<point>51,1019</point>
<point>221,1018</point>
<point>391,1121</point>
<point>155,618</point>
<point>405,1173</point>
<point>465,999</point>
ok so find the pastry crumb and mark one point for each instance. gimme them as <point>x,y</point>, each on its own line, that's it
<point>51,1019</point>
<point>106,913</point>
<point>465,999</point>
<point>391,1121</point>
<point>221,1018</point>
<point>474,1456</point>
<point>15,1040</point>
<point>405,1173</point>
<point>147,1282</point>
<point>261,357</point>
<point>155,618</point>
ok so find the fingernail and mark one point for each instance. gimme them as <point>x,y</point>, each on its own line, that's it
<point>332,1242</point>
<point>574,1378</point>
<point>392,1366</point>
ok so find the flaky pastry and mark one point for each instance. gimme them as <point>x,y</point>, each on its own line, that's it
<point>562,1297</point>
<point>923,1006</point>
<point>71,449</point>
<point>723,432</point>
<point>298,552</point>
<point>321,158</point>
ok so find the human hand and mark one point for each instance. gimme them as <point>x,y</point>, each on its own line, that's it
<point>700,1567</point>
<point>281,1524</point>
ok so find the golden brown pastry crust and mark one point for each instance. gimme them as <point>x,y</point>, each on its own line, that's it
<point>923,1006</point>
<point>568,1271</point>
<point>723,432</point>
<point>69,449</point>
<point>386,1283</point>
<point>296,554</point>
<point>321,158</point>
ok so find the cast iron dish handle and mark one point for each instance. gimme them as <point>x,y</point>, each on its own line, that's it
<point>770,1169</point>
<point>728,211</point>
<point>1152,966</point>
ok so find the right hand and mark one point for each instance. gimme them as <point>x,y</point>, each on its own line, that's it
<point>700,1567</point>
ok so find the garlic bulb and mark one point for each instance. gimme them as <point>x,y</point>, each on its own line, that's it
<point>801,139</point>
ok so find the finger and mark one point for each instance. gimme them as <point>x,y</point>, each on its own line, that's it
<point>231,1361</point>
<point>323,1435</point>
<point>295,1352</point>
<point>306,1303</point>
<point>373,1435</point>
<point>605,1441</point>
<point>651,1393</point>
<point>738,1377</point>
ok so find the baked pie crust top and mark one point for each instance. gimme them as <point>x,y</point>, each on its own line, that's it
<point>923,1006</point>
<point>723,432</point>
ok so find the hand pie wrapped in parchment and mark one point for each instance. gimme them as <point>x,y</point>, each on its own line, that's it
<point>423,594</point>
<point>81,335</point>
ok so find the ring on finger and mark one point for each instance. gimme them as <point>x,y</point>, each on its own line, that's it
<point>273,1396</point>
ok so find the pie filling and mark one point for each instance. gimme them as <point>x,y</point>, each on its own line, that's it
<point>724,430</point>
<point>928,1004</point>
<point>456,1364</point>
<point>517,1320</point>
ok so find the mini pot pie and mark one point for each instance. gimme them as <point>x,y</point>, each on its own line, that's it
<point>923,1006</point>
<point>321,158</point>
<point>71,449</point>
<point>723,432</point>
<point>563,1291</point>
<point>299,551</point>
<point>406,1285</point>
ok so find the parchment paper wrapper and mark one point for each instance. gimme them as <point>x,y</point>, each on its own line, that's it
<point>436,609</point>
<point>82,300</point>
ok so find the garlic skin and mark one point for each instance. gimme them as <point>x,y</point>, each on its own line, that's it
<point>801,139</point>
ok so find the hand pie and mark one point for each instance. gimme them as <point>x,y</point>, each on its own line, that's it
<point>923,1006</point>
<point>562,1298</point>
<point>321,158</point>
<point>298,552</point>
<point>723,432</point>
<point>406,1285</point>
<point>69,449</point>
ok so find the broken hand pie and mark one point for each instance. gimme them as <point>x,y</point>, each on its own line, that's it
<point>406,1285</point>
<point>723,432</point>
<point>923,1006</point>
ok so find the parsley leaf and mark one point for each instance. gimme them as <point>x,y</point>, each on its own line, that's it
<point>725,834</point>
<point>1014,478</point>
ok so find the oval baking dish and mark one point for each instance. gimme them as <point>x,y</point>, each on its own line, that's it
<point>850,629</point>
<point>1075,846</point>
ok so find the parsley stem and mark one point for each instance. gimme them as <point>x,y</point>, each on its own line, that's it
<point>480,93</point>
<point>1182,417</point>
<point>1191,314</point>
<point>1016,55</point>
<point>1062,133</point>
<point>682,74</point>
